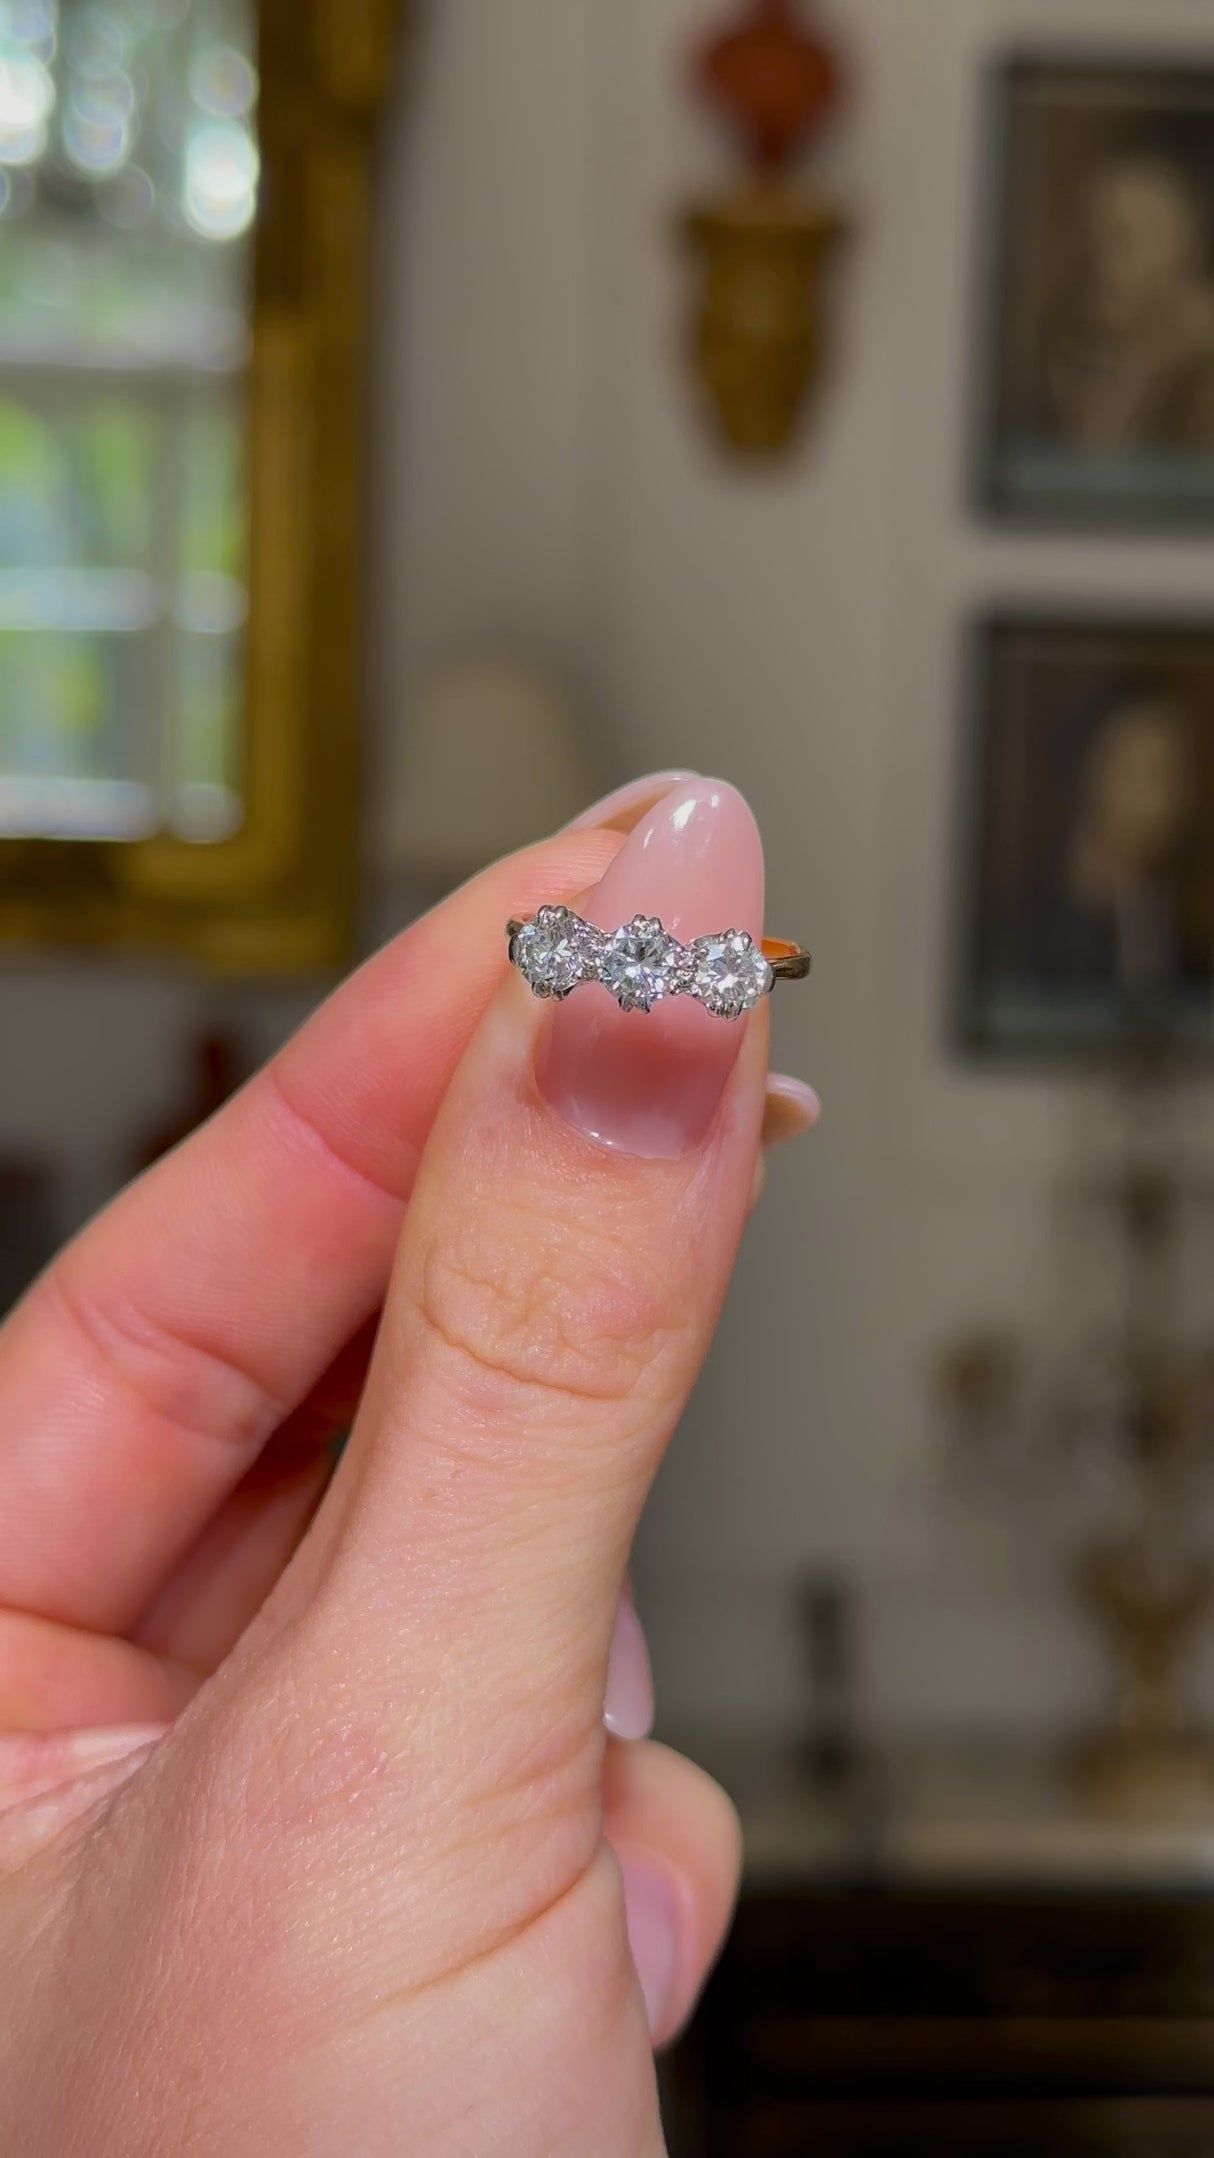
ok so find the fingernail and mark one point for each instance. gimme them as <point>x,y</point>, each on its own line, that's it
<point>95,1748</point>
<point>792,1108</point>
<point>650,1083</point>
<point>42,1765</point>
<point>628,1703</point>
<point>652,1914</point>
<point>620,810</point>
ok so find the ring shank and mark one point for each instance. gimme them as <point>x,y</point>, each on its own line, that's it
<point>788,962</point>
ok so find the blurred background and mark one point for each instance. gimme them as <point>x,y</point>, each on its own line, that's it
<point>416,419</point>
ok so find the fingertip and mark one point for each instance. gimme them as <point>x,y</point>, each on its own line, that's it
<point>791,1109</point>
<point>678,1839</point>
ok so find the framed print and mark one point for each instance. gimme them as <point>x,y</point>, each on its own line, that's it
<point>1088,884</point>
<point>1097,405</point>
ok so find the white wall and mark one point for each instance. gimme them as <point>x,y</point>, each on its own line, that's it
<point>797,632</point>
<point>539,473</point>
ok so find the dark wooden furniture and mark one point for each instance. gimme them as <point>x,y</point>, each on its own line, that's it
<point>898,2003</point>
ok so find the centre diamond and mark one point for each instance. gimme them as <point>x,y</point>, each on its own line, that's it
<point>641,964</point>
<point>554,951</point>
<point>728,974</point>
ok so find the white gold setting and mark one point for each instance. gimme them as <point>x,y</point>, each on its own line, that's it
<point>729,974</point>
<point>556,951</point>
<point>641,964</point>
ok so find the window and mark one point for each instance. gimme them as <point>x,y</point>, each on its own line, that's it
<point>128,188</point>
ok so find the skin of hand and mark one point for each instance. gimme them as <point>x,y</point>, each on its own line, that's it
<point>312,1836</point>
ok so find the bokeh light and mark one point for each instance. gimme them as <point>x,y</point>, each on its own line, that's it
<point>221,174</point>
<point>223,82</point>
<point>27,100</point>
<point>30,24</point>
<point>96,40</point>
<point>99,123</point>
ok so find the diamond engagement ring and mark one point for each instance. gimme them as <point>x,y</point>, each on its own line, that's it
<point>641,964</point>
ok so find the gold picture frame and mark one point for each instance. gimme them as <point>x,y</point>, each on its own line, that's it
<point>278,896</point>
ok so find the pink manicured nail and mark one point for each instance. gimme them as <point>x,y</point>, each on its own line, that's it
<point>95,1747</point>
<point>652,1912</point>
<point>792,1108</point>
<point>628,1705</point>
<point>33,1764</point>
<point>650,1083</point>
<point>616,807</point>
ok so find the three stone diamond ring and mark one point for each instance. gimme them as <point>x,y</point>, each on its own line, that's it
<point>556,952</point>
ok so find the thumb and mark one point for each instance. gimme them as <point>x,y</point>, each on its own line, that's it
<point>562,1265</point>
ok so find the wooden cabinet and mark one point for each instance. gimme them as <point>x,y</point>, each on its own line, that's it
<point>893,2023</point>
<point>1050,1996</point>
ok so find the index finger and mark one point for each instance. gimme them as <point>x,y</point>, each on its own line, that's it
<point>145,1370</point>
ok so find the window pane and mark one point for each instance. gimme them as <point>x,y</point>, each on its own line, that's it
<point>213,519</point>
<point>77,480</point>
<point>206,778</point>
<point>74,756</point>
<point>128,180</point>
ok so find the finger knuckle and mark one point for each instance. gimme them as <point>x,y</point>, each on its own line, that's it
<point>529,1304</point>
<point>188,1384</point>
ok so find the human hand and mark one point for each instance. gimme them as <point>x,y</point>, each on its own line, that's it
<point>314,1842</point>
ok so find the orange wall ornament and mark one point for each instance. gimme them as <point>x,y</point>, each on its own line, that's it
<point>760,248</point>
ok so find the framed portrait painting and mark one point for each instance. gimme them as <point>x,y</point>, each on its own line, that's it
<point>1097,400</point>
<point>1088,879</point>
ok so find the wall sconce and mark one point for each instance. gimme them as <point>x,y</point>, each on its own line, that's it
<point>759,249</point>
